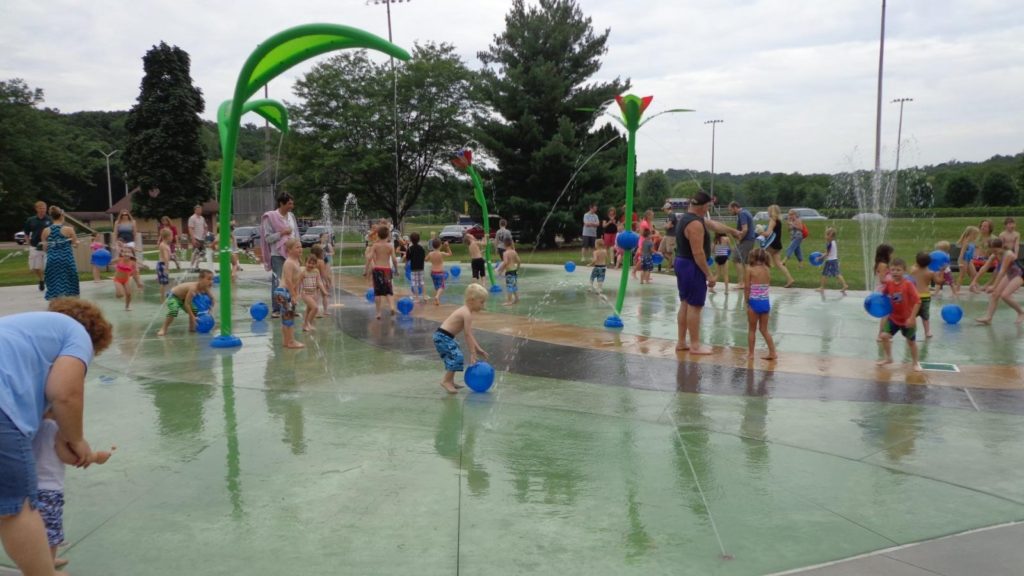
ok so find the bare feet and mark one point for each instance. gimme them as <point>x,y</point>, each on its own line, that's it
<point>770,357</point>
<point>917,367</point>
<point>457,385</point>
<point>127,308</point>
<point>507,303</point>
<point>160,333</point>
<point>985,321</point>
<point>844,289</point>
<point>702,350</point>
<point>437,301</point>
<point>59,562</point>
<point>885,362</point>
<point>928,335</point>
<point>449,387</point>
<point>295,344</point>
<point>682,347</point>
<point>819,289</point>
<point>789,284</point>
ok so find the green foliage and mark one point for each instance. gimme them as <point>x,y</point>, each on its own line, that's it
<point>998,190</point>
<point>245,170</point>
<point>961,191</point>
<point>537,85</point>
<point>344,131</point>
<point>164,149</point>
<point>652,189</point>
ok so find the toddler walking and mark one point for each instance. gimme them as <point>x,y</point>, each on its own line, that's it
<point>722,251</point>
<point>903,318</point>
<point>756,281</point>
<point>313,288</point>
<point>831,269</point>
<point>600,264</point>
<point>510,266</point>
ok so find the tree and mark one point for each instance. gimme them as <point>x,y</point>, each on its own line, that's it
<point>961,191</point>
<point>164,155</point>
<point>345,137</point>
<point>537,84</point>
<point>652,190</point>
<point>998,190</point>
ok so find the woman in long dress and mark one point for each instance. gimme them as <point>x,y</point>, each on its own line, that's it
<point>61,272</point>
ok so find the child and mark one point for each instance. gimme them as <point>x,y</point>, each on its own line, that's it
<point>328,245</point>
<point>600,267</point>
<point>903,318</point>
<point>646,257</point>
<point>722,252</point>
<point>287,296</point>
<point>51,454</point>
<point>1009,235</point>
<point>1006,282</point>
<point>656,238</point>
<point>382,256</point>
<point>163,264</point>
<point>97,243</point>
<point>510,265</point>
<point>619,252</point>
<point>312,286</point>
<point>414,259</point>
<point>318,252</point>
<point>757,278</point>
<point>992,261</point>
<point>883,254</point>
<point>831,268</point>
<point>945,275</point>
<point>436,259</point>
<point>124,269</point>
<point>923,278</point>
<point>181,298</point>
<point>965,259</point>
<point>476,259</point>
<point>444,338</point>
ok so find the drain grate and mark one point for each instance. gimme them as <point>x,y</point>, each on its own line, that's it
<point>939,367</point>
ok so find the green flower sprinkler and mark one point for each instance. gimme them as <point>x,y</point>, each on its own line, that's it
<point>463,160</point>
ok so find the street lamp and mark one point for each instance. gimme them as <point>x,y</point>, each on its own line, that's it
<point>713,122</point>
<point>899,140</point>
<point>110,194</point>
<point>394,84</point>
<point>878,120</point>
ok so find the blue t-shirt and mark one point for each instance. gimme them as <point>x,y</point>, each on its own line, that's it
<point>742,218</point>
<point>29,345</point>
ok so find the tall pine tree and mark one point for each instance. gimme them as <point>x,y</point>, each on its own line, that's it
<point>536,80</point>
<point>164,157</point>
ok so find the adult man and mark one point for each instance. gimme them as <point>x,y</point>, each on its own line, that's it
<point>277,227</point>
<point>590,223</point>
<point>668,241</point>
<point>744,237</point>
<point>692,275</point>
<point>197,231</point>
<point>34,226</point>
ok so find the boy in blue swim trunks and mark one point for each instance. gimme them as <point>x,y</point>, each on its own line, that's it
<point>510,266</point>
<point>446,344</point>
<point>436,260</point>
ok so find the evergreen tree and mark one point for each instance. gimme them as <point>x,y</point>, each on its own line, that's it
<point>164,155</point>
<point>536,79</point>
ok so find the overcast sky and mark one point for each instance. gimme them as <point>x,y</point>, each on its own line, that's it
<point>794,80</point>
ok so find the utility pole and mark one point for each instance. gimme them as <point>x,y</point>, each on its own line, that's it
<point>899,140</point>
<point>394,85</point>
<point>876,204</point>
<point>713,123</point>
<point>110,193</point>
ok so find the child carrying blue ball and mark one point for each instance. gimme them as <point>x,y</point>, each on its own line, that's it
<point>444,338</point>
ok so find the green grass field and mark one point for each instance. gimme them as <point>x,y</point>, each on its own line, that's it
<point>908,236</point>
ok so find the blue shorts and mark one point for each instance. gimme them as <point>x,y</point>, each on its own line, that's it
<point>17,469</point>
<point>512,281</point>
<point>51,508</point>
<point>831,269</point>
<point>449,350</point>
<point>438,278</point>
<point>647,263</point>
<point>597,274</point>
<point>162,277</point>
<point>691,282</point>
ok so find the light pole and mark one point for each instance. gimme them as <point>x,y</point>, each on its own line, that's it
<point>899,140</point>
<point>878,121</point>
<point>110,194</point>
<point>394,85</point>
<point>713,122</point>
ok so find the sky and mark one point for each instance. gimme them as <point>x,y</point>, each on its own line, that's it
<point>794,81</point>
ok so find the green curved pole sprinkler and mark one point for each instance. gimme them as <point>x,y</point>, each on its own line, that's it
<point>271,58</point>
<point>463,160</point>
<point>632,108</point>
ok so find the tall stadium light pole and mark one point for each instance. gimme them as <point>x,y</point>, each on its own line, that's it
<point>713,123</point>
<point>394,85</point>
<point>878,120</point>
<point>110,193</point>
<point>899,140</point>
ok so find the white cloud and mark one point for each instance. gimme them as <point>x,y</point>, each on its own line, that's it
<point>794,81</point>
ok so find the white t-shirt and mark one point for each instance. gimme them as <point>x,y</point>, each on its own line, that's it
<point>833,251</point>
<point>49,468</point>
<point>590,218</point>
<point>197,227</point>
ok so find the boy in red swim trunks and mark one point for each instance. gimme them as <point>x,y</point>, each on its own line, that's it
<point>382,257</point>
<point>903,318</point>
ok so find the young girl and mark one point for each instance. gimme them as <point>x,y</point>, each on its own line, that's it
<point>883,255</point>
<point>1007,280</point>
<point>945,275</point>
<point>967,243</point>
<point>831,269</point>
<point>722,252</point>
<point>318,251</point>
<point>312,287</point>
<point>97,243</point>
<point>123,272</point>
<point>755,287</point>
<point>646,257</point>
<point>163,265</point>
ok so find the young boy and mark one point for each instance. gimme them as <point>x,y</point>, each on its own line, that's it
<point>415,256</point>
<point>1009,235</point>
<point>501,236</point>
<point>288,295</point>
<point>436,259</point>
<point>646,256</point>
<point>162,265</point>
<point>382,256</point>
<point>923,278</point>
<point>444,338</point>
<point>476,259</point>
<point>903,318</point>
<point>510,266</point>
<point>181,298</point>
<point>600,268</point>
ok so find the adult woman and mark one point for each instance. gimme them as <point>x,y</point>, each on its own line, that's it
<point>773,241</point>
<point>796,237</point>
<point>125,229</point>
<point>609,229</point>
<point>45,356</point>
<point>165,222</point>
<point>61,272</point>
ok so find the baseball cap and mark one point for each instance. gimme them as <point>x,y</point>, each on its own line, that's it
<point>700,198</point>
<point>667,206</point>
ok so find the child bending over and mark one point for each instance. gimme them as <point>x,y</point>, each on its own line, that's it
<point>181,299</point>
<point>444,338</point>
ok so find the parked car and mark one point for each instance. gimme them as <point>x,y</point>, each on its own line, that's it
<point>868,217</point>
<point>20,238</point>
<point>808,214</point>
<point>454,233</point>
<point>312,235</point>
<point>247,236</point>
<point>761,217</point>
